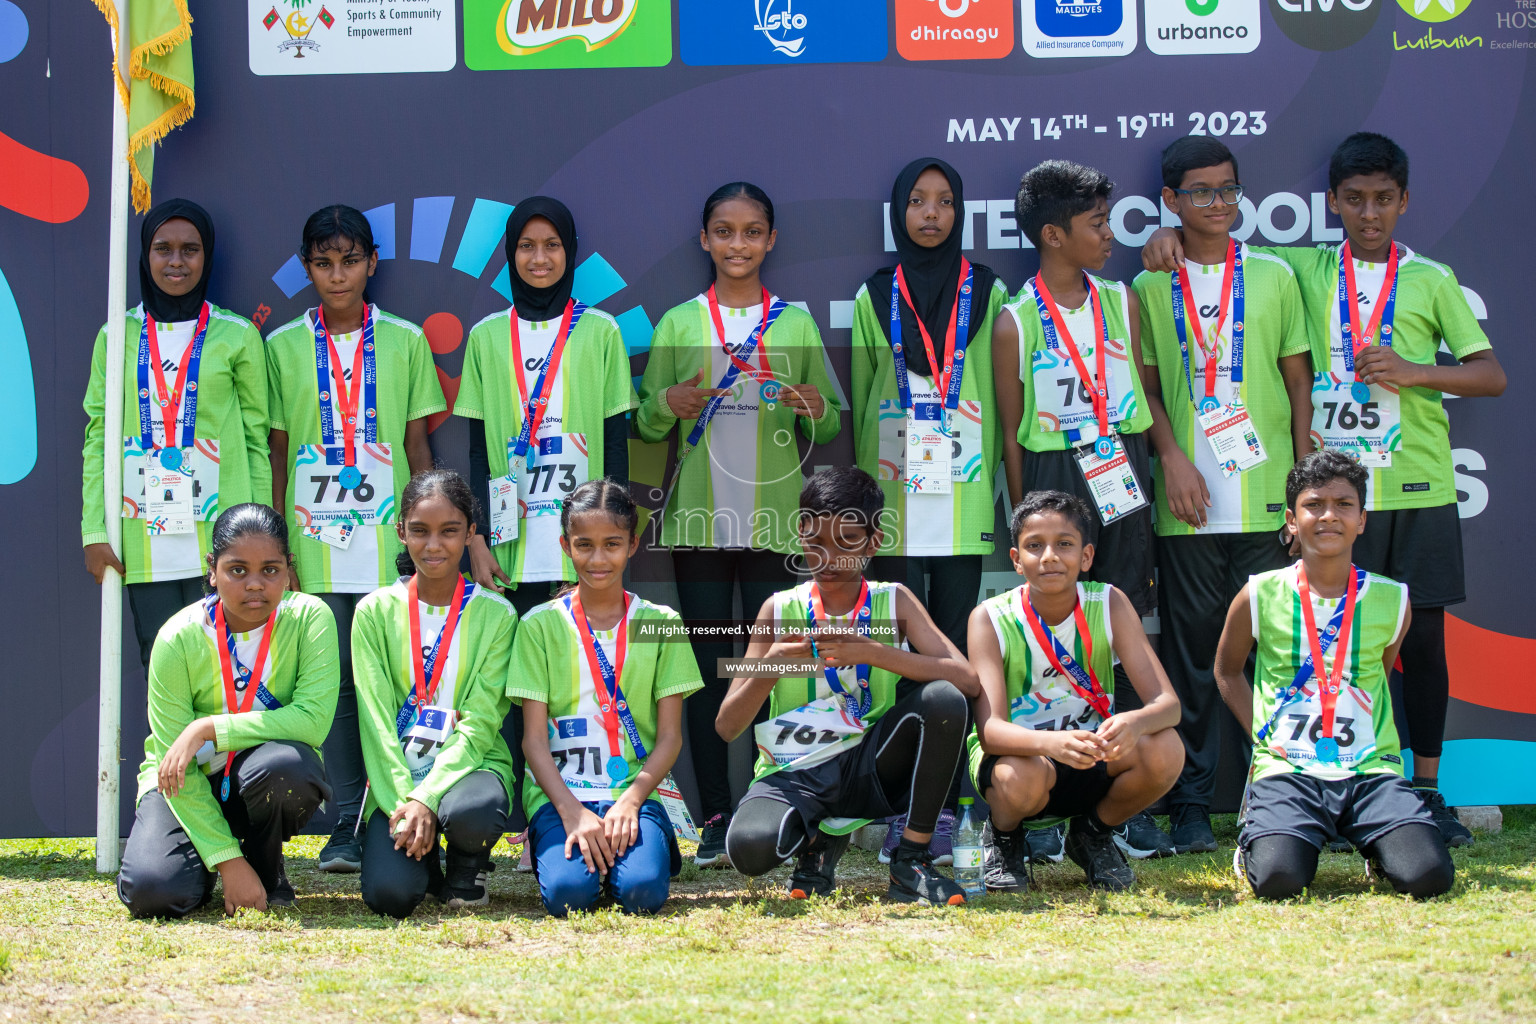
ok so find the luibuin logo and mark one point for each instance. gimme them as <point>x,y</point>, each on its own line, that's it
<point>778,27</point>
<point>528,26</point>
<point>1434,11</point>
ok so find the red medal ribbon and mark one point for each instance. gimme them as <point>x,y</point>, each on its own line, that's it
<point>941,378</point>
<point>1328,685</point>
<point>761,374</point>
<point>170,401</point>
<point>1099,383</point>
<point>607,700</point>
<point>1093,693</point>
<point>1210,354</point>
<point>227,668</point>
<point>347,403</point>
<point>426,689</point>
<point>534,409</point>
<point>1360,340</point>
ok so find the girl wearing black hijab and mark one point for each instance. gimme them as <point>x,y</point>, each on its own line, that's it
<point>194,424</point>
<point>552,421</point>
<point>922,362</point>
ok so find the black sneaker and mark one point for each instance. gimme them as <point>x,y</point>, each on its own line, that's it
<point>914,879</point>
<point>1096,853</point>
<point>1045,845</point>
<point>464,882</point>
<point>342,854</point>
<point>816,869</point>
<point>1140,838</point>
<point>1005,859</point>
<point>1340,846</point>
<point>281,894</point>
<point>1451,829</point>
<point>1192,829</point>
<point>711,853</point>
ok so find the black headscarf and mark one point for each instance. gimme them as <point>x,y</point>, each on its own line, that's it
<point>932,275</point>
<point>163,307</point>
<point>540,304</point>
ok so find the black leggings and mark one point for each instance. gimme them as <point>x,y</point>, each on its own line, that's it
<point>1426,682</point>
<point>1413,857</point>
<point>915,747</point>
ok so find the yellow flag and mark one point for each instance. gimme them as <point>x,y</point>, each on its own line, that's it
<point>160,81</point>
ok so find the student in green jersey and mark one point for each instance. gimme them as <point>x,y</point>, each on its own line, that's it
<point>1050,743</point>
<point>1326,759</point>
<point>922,341</point>
<point>1379,398</point>
<point>734,370</point>
<point>431,653</point>
<point>1074,417</point>
<point>242,687</point>
<point>601,675</point>
<point>351,389</point>
<point>1224,341</point>
<point>571,390</point>
<point>876,733</point>
<point>194,423</point>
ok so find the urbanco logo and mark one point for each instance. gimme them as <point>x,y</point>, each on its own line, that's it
<point>508,34</point>
<point>954,29</point>
<point>1326,24</point>
<point>1176,27</point>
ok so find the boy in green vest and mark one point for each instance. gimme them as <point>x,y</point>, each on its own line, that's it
<point>1326,758</point>
<point>876,731</point>
<point>1048,743</point>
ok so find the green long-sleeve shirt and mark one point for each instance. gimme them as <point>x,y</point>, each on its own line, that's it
<point>753,479</point>
<point>186,683</point>
<point>473,683</point>
<point>231,413</point>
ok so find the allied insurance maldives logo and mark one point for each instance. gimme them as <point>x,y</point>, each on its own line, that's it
<point>518,34</point>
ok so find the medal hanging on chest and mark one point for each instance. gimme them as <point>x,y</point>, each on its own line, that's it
<point>1328,680</point>
<point>859,706</point>
<point>240,683</point>
<point>1054,326</point>
<point>1186,320</point>
<point>1378,330</point>
<point>358,404</point>
<point>1079,673</point>
<point>606,679</point>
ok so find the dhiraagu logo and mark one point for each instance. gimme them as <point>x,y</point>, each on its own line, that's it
<point>1176,27</point>
<point>517,34</point>
<point>1435,11</point>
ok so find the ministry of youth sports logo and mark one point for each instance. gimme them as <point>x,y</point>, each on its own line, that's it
<point>299,24</point>
<point>784,29</point>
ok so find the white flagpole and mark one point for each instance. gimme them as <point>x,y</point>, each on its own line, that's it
<point>109,727</point>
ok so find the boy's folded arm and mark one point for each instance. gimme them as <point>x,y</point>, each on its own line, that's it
<point>998,736</point>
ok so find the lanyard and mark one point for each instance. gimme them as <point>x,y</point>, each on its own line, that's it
<point>1231,296</point>
<point>1337,628</point>
<point>814,611</point>
<point>740,359</point>
<point>947,376</point>
<point>1053,323</point>
<point>763,373</point>
<point>230,667</point>
<point>1079,674</point>
<point>428,669</point>
<point>1379,330</point>
<point>605,677</point>
<point>1328,685</point>
<point>364,387</point>
<point>169,400</point>
<point>537,404</point>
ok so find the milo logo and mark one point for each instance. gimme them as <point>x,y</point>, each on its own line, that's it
<point>534,25</point>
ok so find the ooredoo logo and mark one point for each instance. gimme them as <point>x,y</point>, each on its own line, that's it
<point>715,32</point>
<point>954,29</point>
<point>567,33</point>
<point>1202,26</point>
<point>1326,24</point>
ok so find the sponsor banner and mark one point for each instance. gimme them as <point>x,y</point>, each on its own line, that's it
<point>1078,28</point>
<point>713,32</point>
<point>1202,26</point>
<point>527,34</point>
<point>351,37</point>
<point>954,29</point>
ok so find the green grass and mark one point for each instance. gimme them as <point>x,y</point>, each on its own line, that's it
<point>1188,945</point>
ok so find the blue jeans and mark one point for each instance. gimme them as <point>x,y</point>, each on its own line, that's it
<point>639,881</point>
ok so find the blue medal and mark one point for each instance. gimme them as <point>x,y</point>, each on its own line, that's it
<point>350,477</point>
<point>170,458</point>
<point>618,770</point>
<point>1209,405</point>
<point>1327,749</point>
<point>1104,447</point>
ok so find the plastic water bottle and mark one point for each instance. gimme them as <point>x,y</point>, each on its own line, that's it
<point>968,854</point>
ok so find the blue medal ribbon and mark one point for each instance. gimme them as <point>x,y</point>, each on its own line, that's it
<point>857,706</point>
<point>324,382</point>
<point>1288,695</point>
<point>951,397</point>
<point>1104,447</point>
<point>732,370</point>
<point>170,456</point>
<point>408,710</point>
<point>1349,320</point>
<point>533,411</point>
<point>1180,318</point>
<point>1075,672</point>
<point>611,698</point>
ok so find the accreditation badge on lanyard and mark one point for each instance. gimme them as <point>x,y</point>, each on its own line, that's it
<point>353,480</point>
<point>1228,429</point>
<point>422,726</point>
<point>172,491</point>
<point>1111,479</point>
<point>242,686</point>
<point>1079,673</point>
<point>506,508</point>
<point>932,428</point>
<point>1360,419</point>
